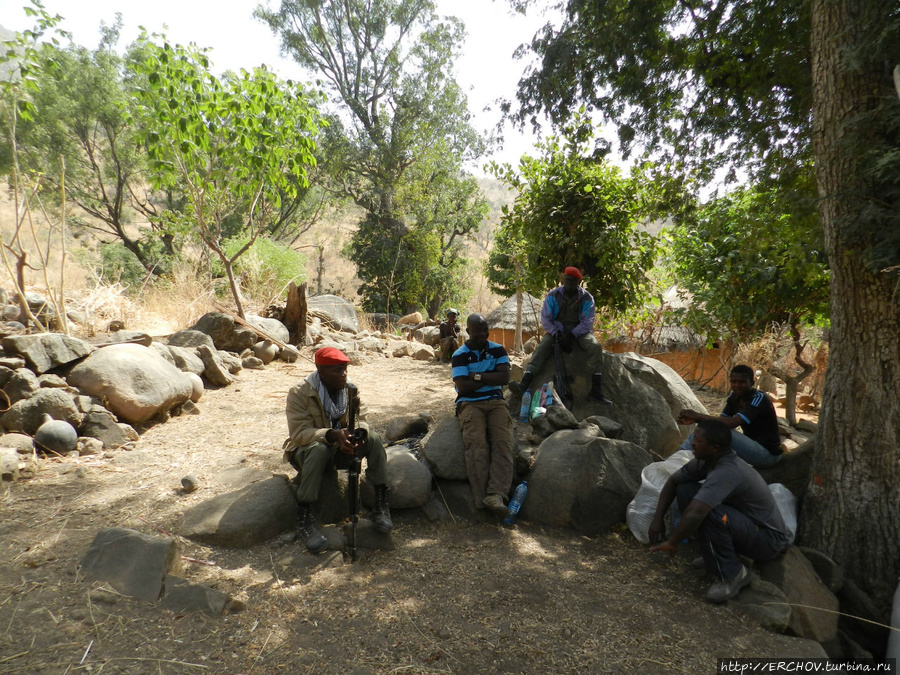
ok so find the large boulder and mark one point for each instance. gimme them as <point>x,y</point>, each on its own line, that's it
<point>224,332</point>
<point>814,609</point>
<point>584,481</point>
<point>27,415</point>
<point>273,327</point>
<point>190,339</point>
<point>337,311</point>
<point>243,518</point>
<point>136,382</point>
<point>409,480</point>
<point>445,452</point>
<point>666,381</point>
<point>46,351</point>
<point>645,415</point>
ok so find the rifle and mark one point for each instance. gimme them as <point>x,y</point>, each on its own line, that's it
<point>359,437</point>
<point>560,379</point>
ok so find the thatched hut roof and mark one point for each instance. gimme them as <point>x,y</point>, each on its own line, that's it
<point>504,316</point>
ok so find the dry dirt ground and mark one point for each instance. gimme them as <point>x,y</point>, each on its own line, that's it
<point>454,597</point>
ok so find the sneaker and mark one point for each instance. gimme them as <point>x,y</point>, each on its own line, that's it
<point>725,590</point>
<point>495,504</point>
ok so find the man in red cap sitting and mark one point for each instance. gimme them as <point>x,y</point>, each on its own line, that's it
<point>568,319</point>
<point>317,417</point>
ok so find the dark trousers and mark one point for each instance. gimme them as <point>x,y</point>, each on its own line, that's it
<point>727,534</point>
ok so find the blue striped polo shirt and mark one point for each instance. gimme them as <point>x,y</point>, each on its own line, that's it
<point>467,361</point>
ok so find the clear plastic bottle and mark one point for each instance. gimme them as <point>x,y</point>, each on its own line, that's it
<point>525,410</point>
<point>516,502</point>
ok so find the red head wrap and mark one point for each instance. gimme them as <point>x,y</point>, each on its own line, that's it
<point>330,356</point>
<point>573,272</point>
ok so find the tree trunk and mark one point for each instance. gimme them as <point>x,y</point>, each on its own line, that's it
<point>295,313</point>
<point>792,382</point>
<point>852,509</point>
<point>233,285</point>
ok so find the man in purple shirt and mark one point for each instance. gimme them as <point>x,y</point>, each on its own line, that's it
<point>568,320</point>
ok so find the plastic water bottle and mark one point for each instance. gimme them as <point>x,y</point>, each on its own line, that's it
<point>525,410</point>
<point>516,502</point>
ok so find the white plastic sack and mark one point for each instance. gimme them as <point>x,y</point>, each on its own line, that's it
<point>640,511</point>
<point>787,505</point>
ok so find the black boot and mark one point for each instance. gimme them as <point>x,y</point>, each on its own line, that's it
<point>596,392</point>
<point>313,538</point>
<point>381,514</point>
<point>519,388</point>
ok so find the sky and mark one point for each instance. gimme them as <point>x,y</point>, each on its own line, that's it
<point>486,69</point>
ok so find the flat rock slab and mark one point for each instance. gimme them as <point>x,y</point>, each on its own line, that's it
<point>765,603</point>
<point>243,518</point>
<point>133,563</point>
<point>182,596</point>
<point>46,351</point>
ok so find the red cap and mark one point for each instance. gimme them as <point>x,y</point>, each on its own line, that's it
<point>573,272</point>
<point>330,356</point>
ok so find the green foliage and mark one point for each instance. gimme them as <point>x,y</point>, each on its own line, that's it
<point>266,267</point>
<point>405,136</point>
<point>237,144</point>
<point>753,258</point>
<point>572,209</point>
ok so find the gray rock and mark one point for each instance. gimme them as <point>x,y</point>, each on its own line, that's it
<point>87,446</point>
<point>214,370</point>
<point>230,361</point>
<point>27,415</point>
<point>12,362</point>
<point>797,579</point>
<point>46,351</point>
<point>190,339</point>
<point>132,336</point>
<point>831,574</point>
<point>793,470</point>
<point>430,335</point>
<point>370,344</point>
<point>189,484</point>
<point>582,481</point>
<point>56,436</point>
<point>423,353</point>
<point>163,350</point>
<point>23,444</point>
<point>272,327</point>
<point>134,564</point>
<point>225,334</point>
<point>135,381</point>
<point>50,381</point>
<point>405,427</point>
<point>102,426</point>
<point>382,321</point>
<point>6,373</point>
<point>445,452</point>
<point>187,360</point>
<point>9,464</point>
<point>244,518</point>
<point>764,603</point>
<point>339,312</point>
<point>644,413</point>
<point>21,385</point>
<point>404,349</point>
<point>289,354</point>
<point>409,480</point>
<point>252,363</point>
<point>182,596</point>
<point>10,312</point>
<point>77,317</point>
<point>610,428</point>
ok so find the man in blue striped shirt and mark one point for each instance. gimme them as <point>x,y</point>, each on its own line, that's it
<point>480,368</point>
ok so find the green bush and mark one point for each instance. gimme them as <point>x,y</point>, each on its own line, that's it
<point>266,268</point>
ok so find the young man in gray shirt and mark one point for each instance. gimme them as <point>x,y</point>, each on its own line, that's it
<point>731,513</point>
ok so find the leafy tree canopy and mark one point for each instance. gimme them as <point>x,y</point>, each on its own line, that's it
<point>750,259</point>
<point>239,144</point>
<point>572,208</point>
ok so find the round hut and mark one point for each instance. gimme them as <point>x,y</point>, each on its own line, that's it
<point>502,321</point>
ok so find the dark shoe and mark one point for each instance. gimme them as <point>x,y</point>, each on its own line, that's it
<point>313,538</point>
<point>725,590</point>
<point>381,514</point>
<point>519,388</point>
<point>496,505</point>
<point>596,392</point>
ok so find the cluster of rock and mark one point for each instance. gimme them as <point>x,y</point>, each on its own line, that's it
<point>63,394</point>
